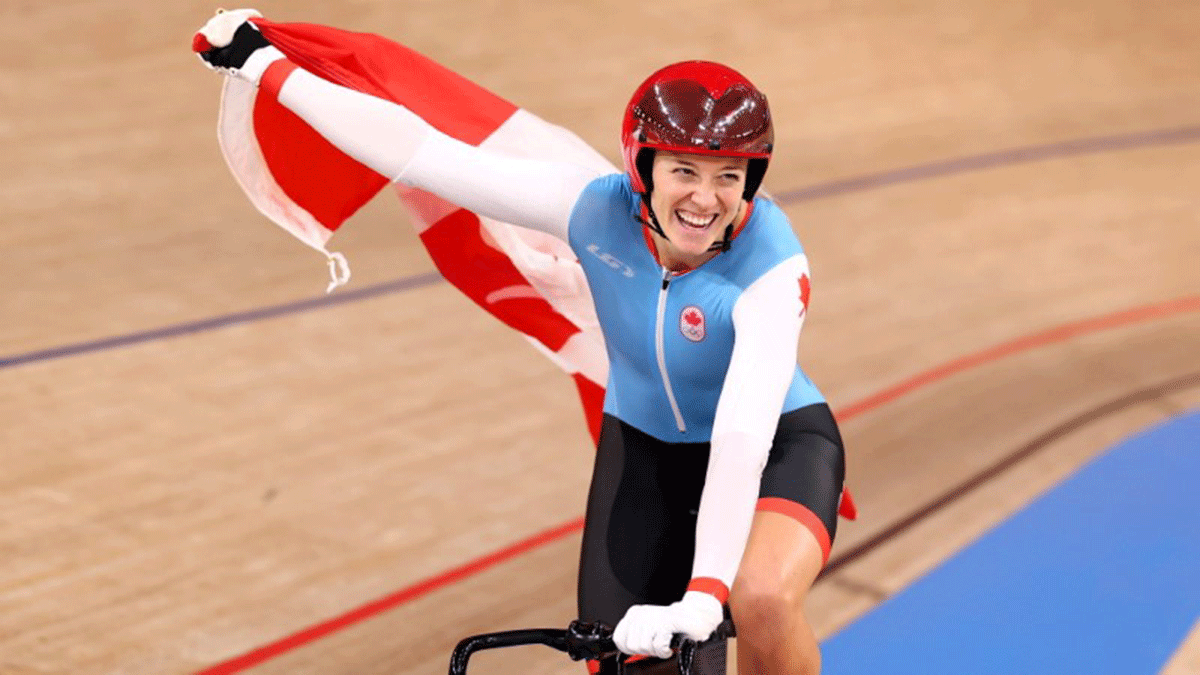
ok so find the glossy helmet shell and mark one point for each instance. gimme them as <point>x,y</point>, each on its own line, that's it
<point>697,107</point>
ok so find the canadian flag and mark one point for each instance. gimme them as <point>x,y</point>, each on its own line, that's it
<point>529,280</point>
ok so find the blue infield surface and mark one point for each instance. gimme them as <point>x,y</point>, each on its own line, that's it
<point>1100,575</point>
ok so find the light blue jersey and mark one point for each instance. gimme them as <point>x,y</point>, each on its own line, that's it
<point>670,338</point>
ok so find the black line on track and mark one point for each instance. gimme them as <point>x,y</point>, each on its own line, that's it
<point>274,311</point>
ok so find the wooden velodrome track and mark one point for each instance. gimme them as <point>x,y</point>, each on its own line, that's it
<point>1015,277</point>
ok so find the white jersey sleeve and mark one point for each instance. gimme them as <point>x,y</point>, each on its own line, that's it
<point>397,143</point>
<point>767,320</point>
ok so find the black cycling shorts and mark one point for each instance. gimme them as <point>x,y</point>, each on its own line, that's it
<point>639,533</point>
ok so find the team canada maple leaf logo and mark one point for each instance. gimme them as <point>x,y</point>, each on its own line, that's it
<point>805,289</point>
<point>691,323</point>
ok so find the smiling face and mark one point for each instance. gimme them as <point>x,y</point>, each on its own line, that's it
<point>695,197</point>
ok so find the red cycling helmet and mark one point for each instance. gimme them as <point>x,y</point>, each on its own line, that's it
<point>697,107</point>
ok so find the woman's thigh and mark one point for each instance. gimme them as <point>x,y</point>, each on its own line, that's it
<point>639,532</point>
<point>805,471</point>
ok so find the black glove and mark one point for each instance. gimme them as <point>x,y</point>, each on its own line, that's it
<point>246,40</point>
<point>229,41</point>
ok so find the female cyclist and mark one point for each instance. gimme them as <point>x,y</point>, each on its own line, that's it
<point>719,469</point>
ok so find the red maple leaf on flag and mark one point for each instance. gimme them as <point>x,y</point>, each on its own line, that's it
<point>805,290</point>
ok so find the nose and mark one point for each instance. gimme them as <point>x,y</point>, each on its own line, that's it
<point>705,195</point>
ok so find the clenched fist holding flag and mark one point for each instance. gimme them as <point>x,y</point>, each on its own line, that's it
<point>230,43</point>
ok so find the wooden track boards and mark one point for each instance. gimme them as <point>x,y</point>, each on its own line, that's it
<point>171,504</point>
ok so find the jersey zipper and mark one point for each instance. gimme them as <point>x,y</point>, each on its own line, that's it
<point>661,352</point>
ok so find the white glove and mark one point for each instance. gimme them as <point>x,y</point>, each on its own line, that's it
<point>231,44</point>
<point>648,629</point>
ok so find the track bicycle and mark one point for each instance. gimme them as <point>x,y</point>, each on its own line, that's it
<point>592,641</point>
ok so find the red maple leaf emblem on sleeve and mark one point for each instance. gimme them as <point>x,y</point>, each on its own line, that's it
<point>805,290</point>
<point>693,318</point>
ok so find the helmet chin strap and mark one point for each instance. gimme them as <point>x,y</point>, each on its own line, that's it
<point>722,245</point>
<point>652,223</point>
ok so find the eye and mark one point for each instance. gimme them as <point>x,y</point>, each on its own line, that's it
<point>683,170</point>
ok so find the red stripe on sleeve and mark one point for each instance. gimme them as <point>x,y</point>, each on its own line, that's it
<point>714,587</point>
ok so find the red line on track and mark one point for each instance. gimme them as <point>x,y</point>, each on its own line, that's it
<point>431,584</point>
<point>396,599</point>
<point>1057,334</point>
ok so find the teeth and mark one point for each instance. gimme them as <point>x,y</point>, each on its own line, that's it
<point>694,221</point>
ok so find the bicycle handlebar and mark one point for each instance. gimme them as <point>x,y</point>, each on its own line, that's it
<point>580,641</point>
